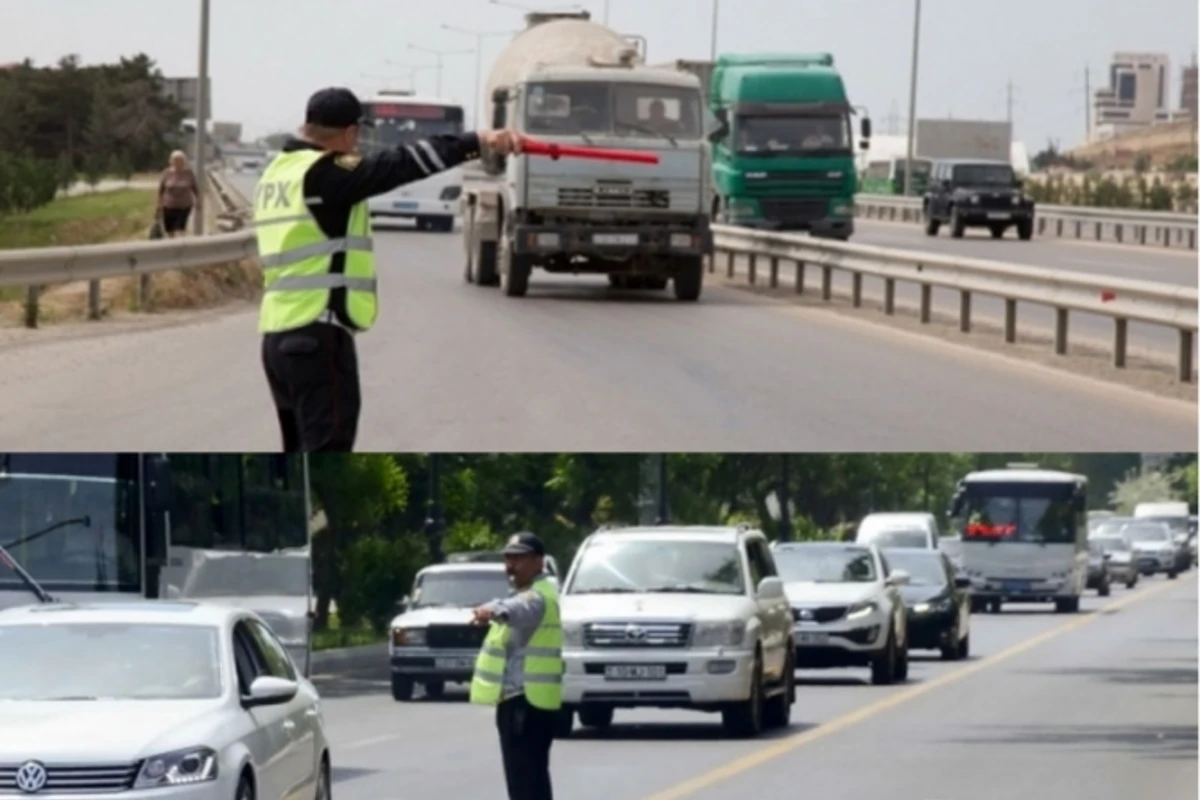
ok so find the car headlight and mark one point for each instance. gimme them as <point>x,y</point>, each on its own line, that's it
<point>926,608</point>
<point>179,768</point>
<point>1016,200</point>
<point>860,610</point>
<point>974,199</point>
<point>408,637</point>
<point>719,634</point>
<point>572,634</point>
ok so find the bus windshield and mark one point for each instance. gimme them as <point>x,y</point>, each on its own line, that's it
<point>72,520</point>
<point>397,123</point>
<point>1033,513</point>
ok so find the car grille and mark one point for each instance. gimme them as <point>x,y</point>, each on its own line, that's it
<point>613,197</point>
<point>996,202</point>
<point>455,636</point>
<point>74,779</point>
<point>637,634</point>
<point>793,209</point>
<point>819,613</point>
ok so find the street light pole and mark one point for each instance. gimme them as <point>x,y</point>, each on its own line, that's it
<point>440,55</point>
<point>663,515</point>
<point>912,101</point>
<point>433,512</point>
<point>202,110</point>
<point>716,18</point>
<point>785,499</point>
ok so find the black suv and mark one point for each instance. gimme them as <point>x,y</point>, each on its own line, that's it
<point>976,194</point>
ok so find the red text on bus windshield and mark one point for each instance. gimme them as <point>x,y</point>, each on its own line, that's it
<point>985,531</point>
<point>404,111</point>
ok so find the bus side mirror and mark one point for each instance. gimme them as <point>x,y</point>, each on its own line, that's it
<point>158,483</point>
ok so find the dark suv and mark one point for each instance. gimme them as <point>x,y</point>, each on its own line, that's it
<point>976,194</point>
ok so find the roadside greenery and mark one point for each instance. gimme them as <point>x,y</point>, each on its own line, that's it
<point>377,534</point>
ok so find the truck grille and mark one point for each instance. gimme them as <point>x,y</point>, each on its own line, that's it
<point>820,614</point>
<point>807,181</point>
<point>637,634</point>
<point>793,210</point>
<point>455,636</point>
<point>74,779</point>
<point>613,197</point>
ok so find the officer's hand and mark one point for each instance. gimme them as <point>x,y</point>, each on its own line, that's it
<point>483,615</point>
<point>501,142</point>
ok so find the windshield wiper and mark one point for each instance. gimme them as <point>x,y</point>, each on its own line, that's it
<point>33,586</point>
<point>607,590</point>
<point>85,521</point>
<point>633,126</point>
<point>679,589</point>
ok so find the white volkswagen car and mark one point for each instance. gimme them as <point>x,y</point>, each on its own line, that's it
<point>154,699</point>
<point>847,607</point>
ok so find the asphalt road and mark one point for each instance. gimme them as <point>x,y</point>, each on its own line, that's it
<point>1099,705</point>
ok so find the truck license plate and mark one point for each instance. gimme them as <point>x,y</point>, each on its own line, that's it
<point>405,206</point>
<point>812,638</point>
<point>615,238</point>
<point>453,663</point>
<point>1016,586</point>
<point>635,672</point>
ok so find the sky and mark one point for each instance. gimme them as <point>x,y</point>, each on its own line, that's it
<point>267,56</point>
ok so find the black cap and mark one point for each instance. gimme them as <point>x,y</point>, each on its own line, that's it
<point>524,544</point>
<point>334,108</point>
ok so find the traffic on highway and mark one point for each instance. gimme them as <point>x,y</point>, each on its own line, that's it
<point>698,660</point>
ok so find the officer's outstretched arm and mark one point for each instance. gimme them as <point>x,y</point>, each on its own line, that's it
<point>344,180</point>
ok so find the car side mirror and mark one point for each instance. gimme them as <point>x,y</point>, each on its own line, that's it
<point>268,690</point>
<point>962,582</point>
<point>898,578</point>
<point>770,588</point>
<point>403,604</point>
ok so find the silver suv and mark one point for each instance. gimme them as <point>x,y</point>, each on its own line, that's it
<point>677,617</point>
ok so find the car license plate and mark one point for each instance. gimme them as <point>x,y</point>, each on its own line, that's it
<point>998,215</point>
<point>812,638</point>
<point>404,206</point>
<point>615,238</point>
<point>635,672</point>
<point>1015,586</point>
<point>454,663</point>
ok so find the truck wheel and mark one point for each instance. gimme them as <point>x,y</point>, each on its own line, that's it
<point>654,283</point>
<point>1025,230</point>
<point>932,226</point>
<point>745,719</point>
<point>402,688</point>
<point>514,269</point>
<point>596,716</point>
<point>689,278</point>
<point>957,226</point>
<point>485,265</point>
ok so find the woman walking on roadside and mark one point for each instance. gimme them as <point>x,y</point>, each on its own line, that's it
<point>178,194</point>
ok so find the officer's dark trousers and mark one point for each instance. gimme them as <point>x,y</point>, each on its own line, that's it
<point>526,734</point>
<point>313,374</point>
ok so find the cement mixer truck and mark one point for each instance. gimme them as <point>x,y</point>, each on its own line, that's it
<point>568,81</point>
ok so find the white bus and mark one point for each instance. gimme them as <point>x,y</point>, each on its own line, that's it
<point>104,527</point>
<point>399,119</point>
<point>1024,536</point>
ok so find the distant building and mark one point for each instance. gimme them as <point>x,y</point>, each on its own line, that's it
<point>1187,92</point>
<point>1136,96</point>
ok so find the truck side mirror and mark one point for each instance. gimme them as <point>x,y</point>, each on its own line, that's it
<point>865,128</point>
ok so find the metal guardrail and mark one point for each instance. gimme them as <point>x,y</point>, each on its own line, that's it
<point>36,268</point>
<point>1143,228</point>
<point>1119,299</point>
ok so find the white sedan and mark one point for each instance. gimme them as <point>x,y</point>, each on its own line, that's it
<point>154,699</point>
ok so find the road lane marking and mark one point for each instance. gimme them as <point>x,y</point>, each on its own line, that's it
<point>798,740</point>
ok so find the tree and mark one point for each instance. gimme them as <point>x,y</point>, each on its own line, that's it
<point>1142,487</point>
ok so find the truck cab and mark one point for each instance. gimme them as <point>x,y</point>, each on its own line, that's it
<point>783,154</point>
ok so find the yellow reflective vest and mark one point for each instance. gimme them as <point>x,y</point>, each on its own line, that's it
<point>543,664</point>
<point>297,256</point>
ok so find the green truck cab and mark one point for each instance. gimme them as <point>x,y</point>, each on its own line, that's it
<point>783,153</point>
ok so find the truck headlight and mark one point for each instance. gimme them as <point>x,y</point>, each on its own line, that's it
<point>408,637</point>
<point>860,610</point>
<point>572,634</point>
<point>719,634</point>
<point>179,768</point>
<point>682,241</point>
<point>842,210</point>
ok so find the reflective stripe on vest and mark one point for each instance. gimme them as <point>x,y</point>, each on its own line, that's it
<point>542,668</point>
<point>297,256</point>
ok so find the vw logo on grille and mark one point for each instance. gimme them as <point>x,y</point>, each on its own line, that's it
<point>635,633</point>
<point>31,777</point>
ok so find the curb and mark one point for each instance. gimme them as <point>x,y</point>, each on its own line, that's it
<point>349,658</point>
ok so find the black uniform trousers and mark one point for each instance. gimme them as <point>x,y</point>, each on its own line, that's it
<point>313,374</point>
<point>526,734</point>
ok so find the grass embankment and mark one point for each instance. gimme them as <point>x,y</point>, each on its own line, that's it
<point>103,217</point>
<point>336,636</point>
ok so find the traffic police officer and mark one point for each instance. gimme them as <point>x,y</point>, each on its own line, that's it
<point>520,669</point>
<point>314,241</point>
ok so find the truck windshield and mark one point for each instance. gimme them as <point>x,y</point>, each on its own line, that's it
<point>652,565</point>
<point>808,135</point>
<point>1034,513</point>
<point>71,520</point>
<point>460,588</point>
<point>984,175</point>
<point>899,537</point>
<point>568,108</point>
<point>821,564</point>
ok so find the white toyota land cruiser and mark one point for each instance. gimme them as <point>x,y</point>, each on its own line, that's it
<point>677,617</point>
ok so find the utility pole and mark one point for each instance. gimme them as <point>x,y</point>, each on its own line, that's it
<point>663,516</point>
<point>439,56</point>
<point>1087,103</point>
<point>716,18</point>
<point>785,498</point>
<point>1009,103</point>
<point>912,100</point>
<point>202,111</point>
<point>479,38</point>
<point>433,511</point>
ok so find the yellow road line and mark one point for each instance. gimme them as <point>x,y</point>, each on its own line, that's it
<point>796,741</point>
